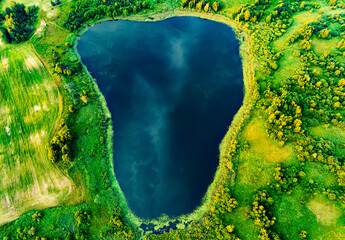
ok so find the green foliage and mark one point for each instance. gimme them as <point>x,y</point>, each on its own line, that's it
<point>303,234</point>
<point>60,146</point>
<point>341,45</point>
<point>202,6</point>
<point>305,45</point>
<point>207,7</point>
<point>93,10</point>
<point>56,2</point>
<point>260,214</point>
<point>252,12</point>
<point>18,23</point>
<point>324,33</point>
<point>336,3</point>
<point>286,178</point>
<point>63,64</point>
<point>118,228</point>
<point>82,217</point>
<point>216,6</point>
<point>37,216</point>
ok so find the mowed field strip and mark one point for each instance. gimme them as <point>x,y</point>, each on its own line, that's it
<point>29,108</point>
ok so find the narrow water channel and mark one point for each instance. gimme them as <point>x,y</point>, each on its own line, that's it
<point>172,88</point>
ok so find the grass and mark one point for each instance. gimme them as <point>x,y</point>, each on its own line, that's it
<point>288,64</point>
<point>332,133</point>
<point>44,4</point>
<point>298,210</point>
<point>266,148</point>
<point>297,24</point>
<point>329,216</point>
<point>329,132</point>
<point>29,110</point>
<point>293,216</point>
<point>233,6</point>
<point>326,214</point>
<point>91,157</point>
<point>325,45</point>
<point>254,169</point>
<point>244,225</point>
<point>317,173</point>
<point>335,234</point>
<point>253,173</point>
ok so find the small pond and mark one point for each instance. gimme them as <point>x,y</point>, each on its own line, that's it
<point>172,88</point>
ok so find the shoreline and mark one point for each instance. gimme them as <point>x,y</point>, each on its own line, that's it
<point>235,126</point>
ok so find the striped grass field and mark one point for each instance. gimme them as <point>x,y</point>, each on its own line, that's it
<point>29,109</point>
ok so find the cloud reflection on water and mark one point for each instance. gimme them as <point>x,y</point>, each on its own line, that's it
<point>172,88</point>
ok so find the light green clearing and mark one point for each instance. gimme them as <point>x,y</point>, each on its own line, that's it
<point>325,213</point>
<point>335,134</point>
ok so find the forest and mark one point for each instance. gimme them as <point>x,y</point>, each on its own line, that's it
<point>17,22</point>
<point>281,171</point>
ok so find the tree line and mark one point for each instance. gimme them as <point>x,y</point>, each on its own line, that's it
<point>205,6</point>
<point>94,10</point>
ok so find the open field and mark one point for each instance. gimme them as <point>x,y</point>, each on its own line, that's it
<point>266,148</point>
<point>325,213</point>
<point>29,109</point>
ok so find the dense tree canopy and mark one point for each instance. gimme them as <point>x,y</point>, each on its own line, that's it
<point>92,10</point>
<point>18,22</point>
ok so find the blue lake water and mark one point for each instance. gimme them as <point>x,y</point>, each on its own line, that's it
<point>172,88</point>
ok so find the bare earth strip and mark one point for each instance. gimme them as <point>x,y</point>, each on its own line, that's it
<point>29,109</point>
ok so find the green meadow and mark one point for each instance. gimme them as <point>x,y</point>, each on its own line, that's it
<point>29,112</point>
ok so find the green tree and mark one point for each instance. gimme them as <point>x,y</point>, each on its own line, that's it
<point>191,4</point>
<point>199,5</point>
<point>324,33</point>
<point>247,15</point>
<point>305,44</point>
<point>216,6</point>
<point>19,21</point>
<point>207,7</point>
<point>341,45</point>
<point>184,3</point>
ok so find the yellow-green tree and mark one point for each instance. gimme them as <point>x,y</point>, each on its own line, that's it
<point>216,6</point>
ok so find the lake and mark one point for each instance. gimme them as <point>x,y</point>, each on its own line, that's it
<point>172,88</point>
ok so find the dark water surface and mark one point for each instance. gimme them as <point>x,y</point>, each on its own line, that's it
<point>173,88</point>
